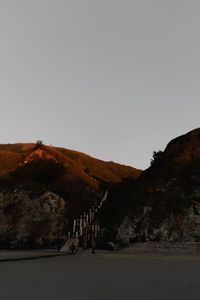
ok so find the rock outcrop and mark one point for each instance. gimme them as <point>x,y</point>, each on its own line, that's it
<point>31,221</point>
<point>165,204</point>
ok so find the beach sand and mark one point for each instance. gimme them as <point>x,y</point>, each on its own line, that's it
<point>102,276</point>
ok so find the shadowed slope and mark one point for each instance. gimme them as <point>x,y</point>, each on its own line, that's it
<point>165,203</point>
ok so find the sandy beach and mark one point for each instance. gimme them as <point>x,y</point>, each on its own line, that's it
<point>102,276</point>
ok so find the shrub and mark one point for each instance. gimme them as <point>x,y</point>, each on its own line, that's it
<point>40,170</point>
<point>157,158</point>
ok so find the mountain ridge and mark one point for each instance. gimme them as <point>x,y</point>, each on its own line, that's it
<point>19,151</point>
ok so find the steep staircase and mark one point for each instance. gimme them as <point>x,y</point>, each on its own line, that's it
<point>85,229</point>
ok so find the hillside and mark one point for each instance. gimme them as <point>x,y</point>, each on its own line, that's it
<point>165,201</point>
<point>43,188</point>
<point>12,155</point>
<point>106,171</point>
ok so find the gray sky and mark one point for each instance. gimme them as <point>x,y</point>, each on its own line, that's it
<point>115,79</point>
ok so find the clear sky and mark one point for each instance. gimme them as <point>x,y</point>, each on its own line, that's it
<point>115,79</point>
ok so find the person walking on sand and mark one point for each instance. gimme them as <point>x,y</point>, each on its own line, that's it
<point>74,246</point>
<point>93,247</point>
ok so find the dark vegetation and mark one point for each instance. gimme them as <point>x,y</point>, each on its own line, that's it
<point>157,158</point>
<point>40,170</point>
<point>114,210</point>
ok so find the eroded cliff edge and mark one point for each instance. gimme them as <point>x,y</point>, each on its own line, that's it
<point>165,201</point>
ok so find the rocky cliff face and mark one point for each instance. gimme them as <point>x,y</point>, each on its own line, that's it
<point>165,203</point>
<point>184,227</point>
<point>42,193</point>
<point>29,220</point>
